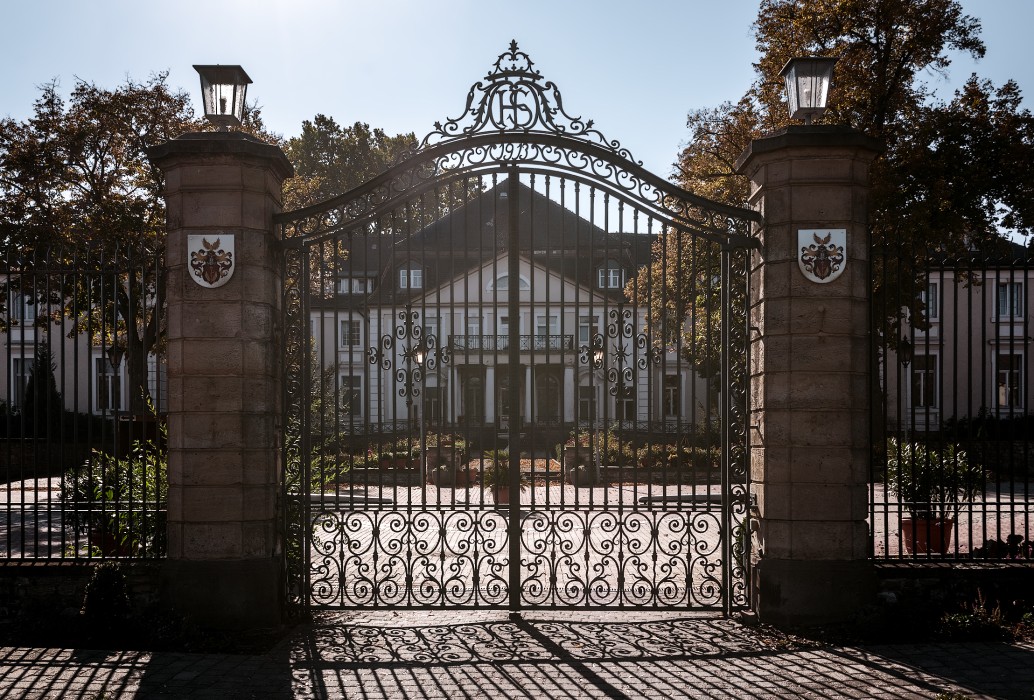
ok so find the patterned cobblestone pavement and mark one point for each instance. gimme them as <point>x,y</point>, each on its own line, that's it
<point>559,656</point>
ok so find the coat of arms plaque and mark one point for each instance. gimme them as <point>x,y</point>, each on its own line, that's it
<point>211,259</point>
<point>822,253</point>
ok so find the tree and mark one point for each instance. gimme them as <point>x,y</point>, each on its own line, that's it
<point>330,160</point>
<point>42,406</point>
<point>952,173</point>
<point>76,186</point>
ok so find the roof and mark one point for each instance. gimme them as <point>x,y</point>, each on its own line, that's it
<point>549,234</point>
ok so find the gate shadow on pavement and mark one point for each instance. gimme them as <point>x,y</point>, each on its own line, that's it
<point>626,655</point>
<point>565,655</point>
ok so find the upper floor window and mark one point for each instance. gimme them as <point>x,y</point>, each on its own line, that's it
<point>586,327</point>
<point>931,300</point>
<point>354,285</point>
<point>23,308</point>
<point>430,326</point>
<point>611,275</point>
<point>924,381</point>
<point>547,325</point>
<point>1010,299</point>
<point>350,333</point>
<point>411,278</point>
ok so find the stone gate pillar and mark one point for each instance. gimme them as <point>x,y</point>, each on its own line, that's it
<point>224,562</point>
<point>809,383</point>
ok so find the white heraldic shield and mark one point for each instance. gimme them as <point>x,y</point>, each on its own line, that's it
<point>211,259</point>
<point>822,253</point>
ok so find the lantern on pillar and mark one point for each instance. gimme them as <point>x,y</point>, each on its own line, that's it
<point>223,89</point>
<point>807,85</point>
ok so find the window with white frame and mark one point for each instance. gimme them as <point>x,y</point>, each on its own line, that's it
<point>1010,300</point>
<point>430,326</point>
<point>23,308</point>
<point>586,327</point>
<point>1009,380</point>
<point>611,275</point>
<point>354,285</point>
<point>931,301</point>
<point>503,396</point>
<point>158,382</point>
<point>672,396</point>
<point>546,326</point>
<point>351,395</point>
<point>21,368</point>
<point>107,386</point>
<point>587,403</point>
<point>923,370</point>
<point>624,404</point>
<point>433,404</point>
<point>351,334</point>
<point>411,278</point>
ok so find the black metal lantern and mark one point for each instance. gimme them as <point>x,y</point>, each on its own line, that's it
<point>115,353</point>
<point>905,351</point>
<point>807,85</point>
<point>223,89</point>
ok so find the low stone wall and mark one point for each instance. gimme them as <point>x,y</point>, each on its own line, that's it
<point>50,590</point>
<point>943,585</point>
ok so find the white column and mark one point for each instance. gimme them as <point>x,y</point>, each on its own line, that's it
<point>490,394</point>
<point>451,394</point>
<point>527,392</point>
<point>570,395</point>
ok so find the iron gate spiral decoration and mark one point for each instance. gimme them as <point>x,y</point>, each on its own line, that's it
<point>519,301</point>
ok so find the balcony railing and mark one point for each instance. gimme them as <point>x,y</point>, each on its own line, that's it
<point>496,343</point>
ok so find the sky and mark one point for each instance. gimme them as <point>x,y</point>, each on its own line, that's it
<point>635,67</point>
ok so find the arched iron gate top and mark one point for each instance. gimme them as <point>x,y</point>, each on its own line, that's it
<point>515,120</point>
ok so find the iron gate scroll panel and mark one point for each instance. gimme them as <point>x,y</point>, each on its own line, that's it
<point>516,303</point>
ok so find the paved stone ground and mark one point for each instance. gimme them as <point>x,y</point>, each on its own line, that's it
<point>559,656</point>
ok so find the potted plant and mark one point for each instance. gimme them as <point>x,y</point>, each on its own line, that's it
<point>495,475</point>
<point>576,460</point>
<point>578,468</point>
<point>931,483</point>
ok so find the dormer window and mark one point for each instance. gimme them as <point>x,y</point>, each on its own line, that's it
<point>411,278</point>
<point>611,275</point>
<point>354,285</point>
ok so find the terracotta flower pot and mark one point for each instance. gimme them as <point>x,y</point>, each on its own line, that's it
<point>578,469</point>
<point>927,536</point>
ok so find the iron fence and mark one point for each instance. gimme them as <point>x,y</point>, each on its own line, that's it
<point>953,462</point>
<point>82,453</point>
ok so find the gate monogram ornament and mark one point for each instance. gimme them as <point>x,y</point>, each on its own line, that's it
<point>211,262</point>
<point>822,253</point>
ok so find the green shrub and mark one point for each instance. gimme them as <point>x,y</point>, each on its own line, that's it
<point>119,502</point>
<point>931,482</point>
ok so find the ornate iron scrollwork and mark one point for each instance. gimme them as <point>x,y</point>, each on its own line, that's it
<point>620,370</point>
<point>419,354</point>
<point>514,97</point>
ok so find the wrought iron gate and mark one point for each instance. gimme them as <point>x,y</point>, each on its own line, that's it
<point>516,306</point>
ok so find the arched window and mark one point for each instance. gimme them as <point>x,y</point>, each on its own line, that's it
<point>502,283</point>
<point>547,397</point>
